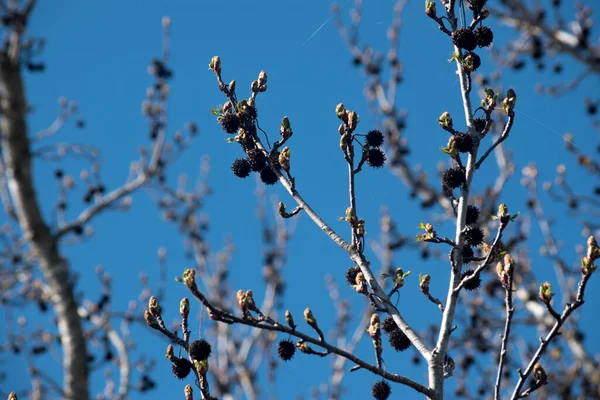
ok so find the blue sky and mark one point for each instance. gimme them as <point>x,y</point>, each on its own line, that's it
<point>97,54</point>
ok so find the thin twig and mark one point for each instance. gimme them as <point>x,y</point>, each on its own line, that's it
<point>545,342</point>
<point>502,138</point>
<point>508,301</point>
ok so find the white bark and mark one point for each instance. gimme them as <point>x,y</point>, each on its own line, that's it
<point>18,169</point>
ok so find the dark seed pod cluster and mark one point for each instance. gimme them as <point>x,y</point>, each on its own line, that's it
<point>473,236</point>
<point>389,325</point>
<point>351,275</point>
<point>229,122</point>
<point>467,253</point>
<point>398,340</point>
<point>381,390</point>
<point>241,168</point>
<point>479,124</point>
<point>274,161</point>
<point>473,283</point>
<point>257,159</point>
<point>374,138</point>
<point>464,39</point>
<point>268,176</point>
<point>472,215</point>
<point>181,368</point>
<point>376,158</point>
<point>484,36</point>
<point>200,350</point>
<point>463,142</point>
<point>454,177</point>
<point>286,350</point>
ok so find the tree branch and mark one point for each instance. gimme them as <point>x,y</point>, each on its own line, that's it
<point>545,342</point>
<point>509,314</point>
<point>54,266</point>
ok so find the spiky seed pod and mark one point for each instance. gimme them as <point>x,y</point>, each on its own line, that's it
<point>274,161</point>
<point>200,349</point>
<point>479,124</point>
<point>472,215</point>
<point>484,36</point>
<point>388,325</point>
<point>252,112</point>
<point>189,392</point>
<point>453,177</point>
<point>376,158</point>
<point>257,159</point>
<point>286,349</point>
<point>473,236</point>
<point>181,368</point>
<point>229,122</point>
<point>241,168</point>
<point>381,390</point>
<point>374,138</point>
<point>471,61</point>
<point>473,283</point>
<point>268,176</point>
<point>467,252</point>
<point>398,340</point>
<point>464,38</point>
<point>463,142</point>
<point>351,275</point>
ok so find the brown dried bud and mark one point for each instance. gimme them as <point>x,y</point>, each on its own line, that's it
<point>184,307</point>
<point>170,355</point>
<point>352,121</point>
<point>12,396</point>
<point>231,86</point>
<point>424,281</point>
<point>373,329</point>
<point>281,209</point>
<point>340,111</point>
<point>509,263</point>
<point>430,10</point>
<point>254,87</point>
<point>445,121</point>
<point>303,347</point>
<point>262,78</point>
<point>545,294</point>
<point>154,307</point>
<point>289,319</point>
<point>249,301</point>
<point>502,275</point>
<point>215,65</point>
<point>189,392</point>
<point>539,374</point>
<point>241,299</point>
<point>286,128</point>
<point>593,251</point>
<point>310,319</point>
<point>508,104</point>
<point>360,283</point>
<point>587,266</point>
<point>150,320</point>
<point>284,159</point>
<point>189,278</point>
